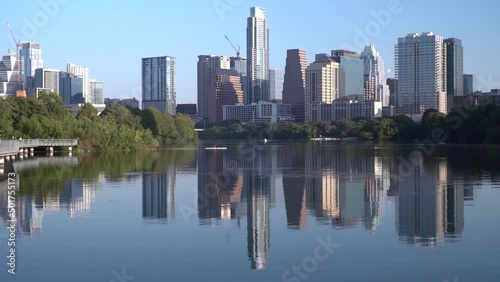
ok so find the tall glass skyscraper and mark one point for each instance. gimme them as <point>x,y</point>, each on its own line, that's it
<point>351,73</point>
<point>158,83</point>
<point>31,55</point>
<point>258,56</point>
<point>454,67</point>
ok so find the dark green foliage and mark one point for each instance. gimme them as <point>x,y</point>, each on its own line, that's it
<point>117,128</point>
<point>473,125</point>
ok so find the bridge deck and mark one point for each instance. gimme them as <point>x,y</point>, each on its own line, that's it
<point>12,147</point>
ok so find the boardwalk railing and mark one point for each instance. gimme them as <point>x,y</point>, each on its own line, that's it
<point>11,147</point>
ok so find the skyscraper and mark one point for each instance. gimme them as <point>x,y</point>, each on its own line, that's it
<point>392,83</point>
<point>71,89</point>
<point>275,84</point>
<point>454,67</point>
<point>47,79</point>
<point>31,55</point>
<point>9,75</point>
<point>96,92</point>
<point>207,64</point>
<point>421,73</point>
<point>374,76</point>
<point>351,73</point>
<point>322,88</point>
<point>82,72</point>
<point>258,56</point>
<point>239,64</point>
<point>294,82</point>
<point>468,84</point>
<point>158,83</point>
<point>225,89</point>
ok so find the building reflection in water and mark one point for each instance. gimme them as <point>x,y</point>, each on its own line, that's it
<point>158,195</point>
<point>229,181</point>
<point>292,163</point>
<point>428,209</point>
<point>76,196</point>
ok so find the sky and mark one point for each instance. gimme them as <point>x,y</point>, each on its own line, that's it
<point>110,36</point>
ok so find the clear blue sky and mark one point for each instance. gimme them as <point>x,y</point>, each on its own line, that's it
<point>111,36</point>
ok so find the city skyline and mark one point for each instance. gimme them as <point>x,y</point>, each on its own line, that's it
<point>386,27</point>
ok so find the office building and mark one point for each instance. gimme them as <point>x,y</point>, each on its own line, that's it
<point>294,82</point>
<point>257,112</point>
<point>187,109</point>
<point>468,84</point>
<point>84,73</point>
<point>225,89</point>
<point>258,56</point>
<point>276,78</point>
<point>207,64</point>
<point>46,79</point>
<point>348,109</point>
<point>158,84</point>
<point>239,64</point>
<point>31,55</point>
<point>133,102</point>
<point>351,73</point>
<point>10,77</point>
<point>392,83</point>
<point>454,67</point>
<point>71,88</point>
<point>375,87</point>
<point>421,73</point>
<point>96,92</point>
<point>321,88</point>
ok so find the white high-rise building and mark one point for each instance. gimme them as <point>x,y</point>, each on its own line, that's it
<point>31,55</point>
<point>207,64</point>
<point>84,73</point>
<point>421,73</point>
<point>322,88</point>
<point>258,56</point>
<point>375,87</point>
<point>10,80</point>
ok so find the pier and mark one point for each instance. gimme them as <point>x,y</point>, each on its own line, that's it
<point>19,148</point>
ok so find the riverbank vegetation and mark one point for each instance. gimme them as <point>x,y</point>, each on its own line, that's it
<point>475,125</point>
<point>116,128</point>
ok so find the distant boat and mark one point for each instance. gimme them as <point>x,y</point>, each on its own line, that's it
<point>216,148</point>
<point>265,140</point>
<point>325,139</point>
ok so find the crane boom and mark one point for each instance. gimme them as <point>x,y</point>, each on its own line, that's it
<point>237,50</point>
<point>18,54</point>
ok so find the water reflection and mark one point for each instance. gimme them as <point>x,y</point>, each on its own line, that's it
<point>342,185</point>
<point>158,195</point>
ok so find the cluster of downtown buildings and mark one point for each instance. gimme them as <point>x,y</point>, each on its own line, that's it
<point>338,86</point>
<point>25,75</point>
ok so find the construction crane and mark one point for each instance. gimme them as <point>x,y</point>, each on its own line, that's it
<point>18,54</point>
<point>237,50</point>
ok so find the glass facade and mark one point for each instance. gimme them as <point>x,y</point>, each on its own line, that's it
<point>71,89</point>
<point>454,67</point>
<point>351,76</point>
<point>258,56</point>
<point>158,83</point>
<point>96,92</point>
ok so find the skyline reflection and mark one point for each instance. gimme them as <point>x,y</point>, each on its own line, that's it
<point>342,185</point>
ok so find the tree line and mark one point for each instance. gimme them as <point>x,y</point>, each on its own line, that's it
<point>117,127</point>
<point>474,125</point>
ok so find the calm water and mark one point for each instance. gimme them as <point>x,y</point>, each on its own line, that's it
<point>255,212</point>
